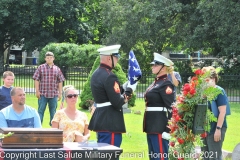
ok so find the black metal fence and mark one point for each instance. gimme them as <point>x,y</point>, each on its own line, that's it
<point>77,76</point>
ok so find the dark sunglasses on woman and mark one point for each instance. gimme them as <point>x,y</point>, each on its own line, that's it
<point>72,95</point>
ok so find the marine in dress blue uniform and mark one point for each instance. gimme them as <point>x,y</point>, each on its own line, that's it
<point>159,97</point>
<point>109,97</point>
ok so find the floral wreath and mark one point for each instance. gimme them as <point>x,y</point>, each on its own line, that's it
<point>183,141</point>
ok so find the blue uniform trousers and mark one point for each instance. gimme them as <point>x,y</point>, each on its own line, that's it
<point>157,147</point>
<point>110,138</point>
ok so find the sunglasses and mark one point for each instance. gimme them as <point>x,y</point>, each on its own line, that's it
<point>116,55</point>
<point>72,95</point>
<point>155,65</point>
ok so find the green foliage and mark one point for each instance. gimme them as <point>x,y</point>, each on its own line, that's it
<point>139,21</point>
<point>64,23</point>
<point>209,118</point>
<point>69,54</point>
<point>6,135</point>
<point>90,54</point>
<point>144,26</point>
<point>86,94</point>
<point>184,66</point>
<point>37,23</point>
<point>178,25</point>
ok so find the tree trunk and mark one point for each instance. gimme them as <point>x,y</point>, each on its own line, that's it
<point>1,60</point>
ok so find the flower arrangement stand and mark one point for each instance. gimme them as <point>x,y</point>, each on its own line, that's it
<point>199,118</point>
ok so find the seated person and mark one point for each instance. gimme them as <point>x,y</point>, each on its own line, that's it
<point>73,122</point>
<point>63,95</point>
<point>18,114</point>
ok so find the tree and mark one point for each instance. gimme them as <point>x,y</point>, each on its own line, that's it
<point>40,22</point>
<point>94,19</point>
<point>10,32</point>
<point>143,26</point>
<point>137,21</point>
<point>189,25</point>
<point>220,26</point>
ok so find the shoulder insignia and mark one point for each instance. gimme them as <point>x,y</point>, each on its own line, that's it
<point>116,87</point>
<point>169,90</point>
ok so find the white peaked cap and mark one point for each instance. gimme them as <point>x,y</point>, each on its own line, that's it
<point>110,50</point>
<point>161,60</point>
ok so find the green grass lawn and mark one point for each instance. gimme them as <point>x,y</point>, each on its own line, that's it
<point>134,142</point>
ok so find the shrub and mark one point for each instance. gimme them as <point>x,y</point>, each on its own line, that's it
<point>69,54</point>
<point>86,94</point>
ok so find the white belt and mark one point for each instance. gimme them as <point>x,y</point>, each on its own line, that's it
<point>156,109</point>
<point>104,104</point>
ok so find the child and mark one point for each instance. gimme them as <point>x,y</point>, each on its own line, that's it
<point>5,97</point>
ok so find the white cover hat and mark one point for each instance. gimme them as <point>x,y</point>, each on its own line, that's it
<point>110,50</point>
<point>159,59</point>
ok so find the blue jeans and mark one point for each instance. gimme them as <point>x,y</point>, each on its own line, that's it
<point>52,105</point>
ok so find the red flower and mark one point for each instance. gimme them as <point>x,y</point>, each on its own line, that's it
<point>204,135</point>
<point>199,72</point>
<point>180,140</point>
<point>185,93</point>
<point>177,118</point>
<point>172,129</point>
<point>194,84</point>
<point>172,144</point>
<point>186,87</point>
<point>194,78</point>
<point>174,110</point>
<point>192,91</point>
<point>180,99</point>
<point>175,153</point>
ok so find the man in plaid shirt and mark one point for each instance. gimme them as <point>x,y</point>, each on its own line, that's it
<point>48,84</point>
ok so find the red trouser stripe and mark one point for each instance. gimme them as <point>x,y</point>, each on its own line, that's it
<point>112,139</point>
<point>160,146</point>
<point>2,154</point>
<point>68,151</point>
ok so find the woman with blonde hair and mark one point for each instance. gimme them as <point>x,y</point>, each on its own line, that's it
<point>158,97</point>
<point>63,95</point>
<point>73,122</point>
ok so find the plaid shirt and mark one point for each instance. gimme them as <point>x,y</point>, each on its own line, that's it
<point>48,78</point>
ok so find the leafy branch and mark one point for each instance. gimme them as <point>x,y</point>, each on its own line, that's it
<point>6,135</point>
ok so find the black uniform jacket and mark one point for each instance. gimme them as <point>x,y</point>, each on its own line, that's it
<point>105,88</point>
<point>159,94</point>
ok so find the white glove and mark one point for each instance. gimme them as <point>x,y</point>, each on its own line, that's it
<point>125,85</point>
<point>166,135</point>
<point>133,86</point>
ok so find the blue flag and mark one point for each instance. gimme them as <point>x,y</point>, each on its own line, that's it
<point>134,71</point>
